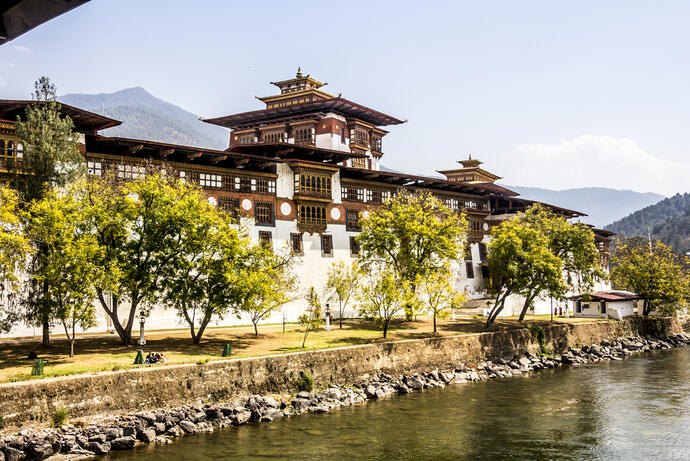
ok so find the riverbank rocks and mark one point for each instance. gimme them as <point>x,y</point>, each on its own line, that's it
<point>125,431</point>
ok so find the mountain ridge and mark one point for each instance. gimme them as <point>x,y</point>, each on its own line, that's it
<point>145,116</point>
<point>602,205</point>
<point>667,221</point>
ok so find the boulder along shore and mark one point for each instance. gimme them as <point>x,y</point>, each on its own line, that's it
<point>102,435</point>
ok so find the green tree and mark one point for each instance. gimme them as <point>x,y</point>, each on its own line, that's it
<point>14,250</point>
<point>141,225</point>
<point>414,234</point>
<point>574,245</point>
<point>438,295</point>
<point>520,262</point>
<point>200,282</point>
<point>653,271</point>
<point>51,156</point>
<point>265,282</point>
<point>311,320</point>
<point>384,295</point>
<point>65,273</point>
<point>343,283</point>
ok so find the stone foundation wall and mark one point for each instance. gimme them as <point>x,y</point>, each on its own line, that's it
<point>175,385</point>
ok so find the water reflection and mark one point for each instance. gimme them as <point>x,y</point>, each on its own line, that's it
<point>637,409</point>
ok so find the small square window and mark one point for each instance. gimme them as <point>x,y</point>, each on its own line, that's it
<point>265,239</point>
<point>354,246</point>
<point>469,268</point>
<point>352,220</point>
<point>296,243</point>
<point>483,254</point>
<point>263,214</point>
<point>231,206</point>
<point>327,245</point>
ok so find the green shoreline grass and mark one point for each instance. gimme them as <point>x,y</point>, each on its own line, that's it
<point>98,352</point>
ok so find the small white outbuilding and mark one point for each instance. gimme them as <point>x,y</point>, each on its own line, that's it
<point>614,304</point>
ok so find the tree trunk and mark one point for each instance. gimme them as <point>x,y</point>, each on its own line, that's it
<point>496,302</point>
<point>341,317</point>
<point>125,339</point>
<point>130,321</point>
<point>256,329</point>
<point>306,333</point>
<point>46,334</point>
<point>503,303</point>
<point>201,329</point>
<point>498,307</point>
<point>434,321</point>
<point>70,340</point>
<point>385,328</point>
<point>528,301</point>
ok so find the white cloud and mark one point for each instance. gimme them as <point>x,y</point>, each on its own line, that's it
<point>22,49</point>
<point>605,161</point>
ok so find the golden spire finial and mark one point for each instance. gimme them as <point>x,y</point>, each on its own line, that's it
<point>299,72</point>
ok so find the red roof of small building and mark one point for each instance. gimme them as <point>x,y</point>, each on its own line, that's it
<point>612,295</point>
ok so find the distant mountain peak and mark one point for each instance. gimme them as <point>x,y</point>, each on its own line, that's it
<point>138,90</point>
<point>145,116</point>
<point>603,205</point>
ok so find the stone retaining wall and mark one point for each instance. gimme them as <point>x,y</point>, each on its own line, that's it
<point>175,385</point>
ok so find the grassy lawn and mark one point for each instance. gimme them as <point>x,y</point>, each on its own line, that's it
<point>104,353</point>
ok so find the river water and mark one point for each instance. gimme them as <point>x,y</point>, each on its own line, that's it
<point>636,409</point>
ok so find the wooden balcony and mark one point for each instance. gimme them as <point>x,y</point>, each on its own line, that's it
<point>306,140</point>
<point>311,225</point>
<point>361,143</point>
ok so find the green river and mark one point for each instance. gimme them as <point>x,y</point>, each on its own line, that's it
<point>636,409</point>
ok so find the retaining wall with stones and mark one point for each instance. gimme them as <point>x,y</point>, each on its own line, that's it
<point>174,385</point>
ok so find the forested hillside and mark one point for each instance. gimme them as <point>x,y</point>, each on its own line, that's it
<point>144,116</point>
<point>668,220</point>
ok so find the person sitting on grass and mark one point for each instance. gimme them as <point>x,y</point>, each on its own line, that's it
<point>161,358</point>
<point>151,358</point>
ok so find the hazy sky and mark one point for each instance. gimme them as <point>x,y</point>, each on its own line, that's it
<point>552,94</point>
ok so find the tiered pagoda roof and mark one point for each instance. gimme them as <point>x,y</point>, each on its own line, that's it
<point>304,99</point>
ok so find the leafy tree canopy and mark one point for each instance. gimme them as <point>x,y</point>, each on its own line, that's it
<point>343,284</point>
<point>539,253</point>
<point>51,153</point>
<point>384,295</point>
<point>415,234</point>
<point>66,269</point>
<point>265,282</point>
<point>14,250</point>
<point>438,295</point>
<point>654,272</point>
<point>200,282</point>
<point>144,227</point>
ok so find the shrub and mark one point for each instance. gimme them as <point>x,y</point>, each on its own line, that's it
<point>60,416</point>
<point>305,383</point>
<point>118,367</point>
<point>539,335</point>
